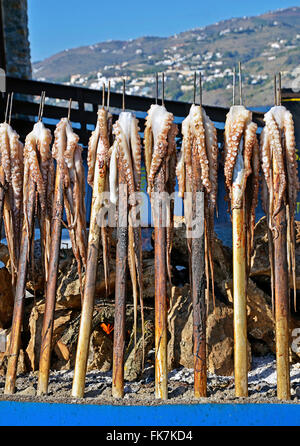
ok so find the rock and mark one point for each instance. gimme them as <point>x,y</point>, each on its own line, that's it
<point>101,351</point>
<point>260,321</point>
<point>61,319</point>
<point>260,265</point>
<point>6,299</point>
<point>4,356</point>
<point>29,391</point>
<point>220,343</point>
<point>219,333</point>
<point>134,359</point>
<point>180,326</point>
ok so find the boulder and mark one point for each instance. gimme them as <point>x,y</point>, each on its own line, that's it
<point>101,351</point>
<point>219,335</point>
<point>62,318</point>
<point>5,334</point>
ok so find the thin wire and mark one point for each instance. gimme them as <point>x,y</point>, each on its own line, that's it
<point>240,83</point>
<point>156,88</point>
<point>195,80</point>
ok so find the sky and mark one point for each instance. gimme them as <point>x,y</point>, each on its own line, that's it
<point>56,25</point>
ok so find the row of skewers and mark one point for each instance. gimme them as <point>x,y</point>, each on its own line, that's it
<point>38,183</point>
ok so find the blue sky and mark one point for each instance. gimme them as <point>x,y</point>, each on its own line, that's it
<point>59,24</point>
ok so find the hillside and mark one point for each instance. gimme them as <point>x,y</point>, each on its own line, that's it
<point>265,44</point>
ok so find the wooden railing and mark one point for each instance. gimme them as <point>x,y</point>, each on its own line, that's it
<point>85,104</point>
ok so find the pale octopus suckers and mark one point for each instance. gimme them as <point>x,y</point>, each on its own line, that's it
<point>278,141</point>
<point>11,152</point>
<point>158,124</point>
<point>126,155</point>
<point>199,138</point>
<point>37,146</point>
<point>99,145</point>
<point>240,138</point>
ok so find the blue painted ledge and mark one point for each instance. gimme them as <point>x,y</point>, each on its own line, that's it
<point>46,414</point>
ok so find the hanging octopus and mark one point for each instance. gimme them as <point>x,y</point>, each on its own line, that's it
<point>160,153</point>
<point>11,178</point>
<point>39,167</point>
<point>126,157</point>
<point>278,141</point>
<point>98,157</point>
<point>200,144</point>
<point>241,166</point>
<point>67,153</point>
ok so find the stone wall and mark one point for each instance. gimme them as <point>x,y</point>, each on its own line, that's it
<point>17,46</point>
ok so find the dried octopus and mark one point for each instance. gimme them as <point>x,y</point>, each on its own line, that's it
<point>11,179</point>
<point>67,153</point>
<point>160,154</point>
<point>241,166</point>
<point>98,157</point>
<point>278,142</point>
<point>199,145</point>
<point>126,158</point>
<point>39,169</point>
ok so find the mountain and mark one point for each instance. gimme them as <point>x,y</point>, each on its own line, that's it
<point>264,44</point>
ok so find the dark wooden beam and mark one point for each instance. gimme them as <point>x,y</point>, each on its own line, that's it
<point>2,40</point>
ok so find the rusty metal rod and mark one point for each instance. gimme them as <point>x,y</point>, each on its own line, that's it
<point>198,284</point>
<point>160,265</point>
<point>17,321</point>
<point>120,290</point>
<point>47,329</point>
